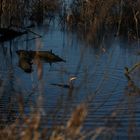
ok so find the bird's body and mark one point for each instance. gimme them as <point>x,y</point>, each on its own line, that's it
<point>61,85</point>
<point>68,86</point>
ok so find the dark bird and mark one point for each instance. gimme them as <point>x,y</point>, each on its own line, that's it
<point>69,85</point>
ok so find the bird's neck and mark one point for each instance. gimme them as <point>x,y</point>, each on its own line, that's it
<point>70,84</point>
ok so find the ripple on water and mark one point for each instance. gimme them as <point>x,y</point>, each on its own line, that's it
<point>100,82</point>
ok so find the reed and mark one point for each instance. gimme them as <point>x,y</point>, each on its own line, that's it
<point>96,17</point>
<point>29,127</point>
<point>92,17</point>
<point>32,10</point>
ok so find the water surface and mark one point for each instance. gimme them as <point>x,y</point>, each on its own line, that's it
<point>100,80</point>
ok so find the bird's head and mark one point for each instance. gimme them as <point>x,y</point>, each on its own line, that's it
<point>72,78</point>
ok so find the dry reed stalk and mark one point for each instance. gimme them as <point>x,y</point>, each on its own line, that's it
<point>120,17</point>
<point>95,17</point>
<point>30,128</point>
<point>35,10</point>
<point>75,123</point>
<point>72,130</point>
<point>38,61</point>
<point>136,23</point>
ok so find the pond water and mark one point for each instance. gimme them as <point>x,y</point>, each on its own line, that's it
<point>100,80</point>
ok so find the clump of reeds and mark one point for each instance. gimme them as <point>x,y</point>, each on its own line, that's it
<point>72,130</point>
<point>96,17</point>
<point>28,127</point>
<point>34,11</point>
<point>43,9</point>
<point>10,12</point>
<point>25,128</point>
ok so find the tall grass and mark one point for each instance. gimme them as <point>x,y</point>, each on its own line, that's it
<point>28,127</point>
<point>93,17</point>
<point>97,17</point>
<point>32,10</point>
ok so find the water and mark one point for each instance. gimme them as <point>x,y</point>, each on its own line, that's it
<point>100,81</point>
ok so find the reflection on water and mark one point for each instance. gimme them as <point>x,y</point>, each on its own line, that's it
<point>100,80</point>
<point>27,58</point>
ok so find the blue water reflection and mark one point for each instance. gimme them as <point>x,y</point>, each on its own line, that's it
<point>99,70</point>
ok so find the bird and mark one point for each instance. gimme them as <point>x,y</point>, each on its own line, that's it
<point>69,85</point>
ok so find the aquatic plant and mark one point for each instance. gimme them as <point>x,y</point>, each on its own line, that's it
<point>32,10</point>
<point>94,17</point>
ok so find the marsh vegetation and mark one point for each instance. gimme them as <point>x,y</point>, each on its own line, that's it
<point>69,70</point>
